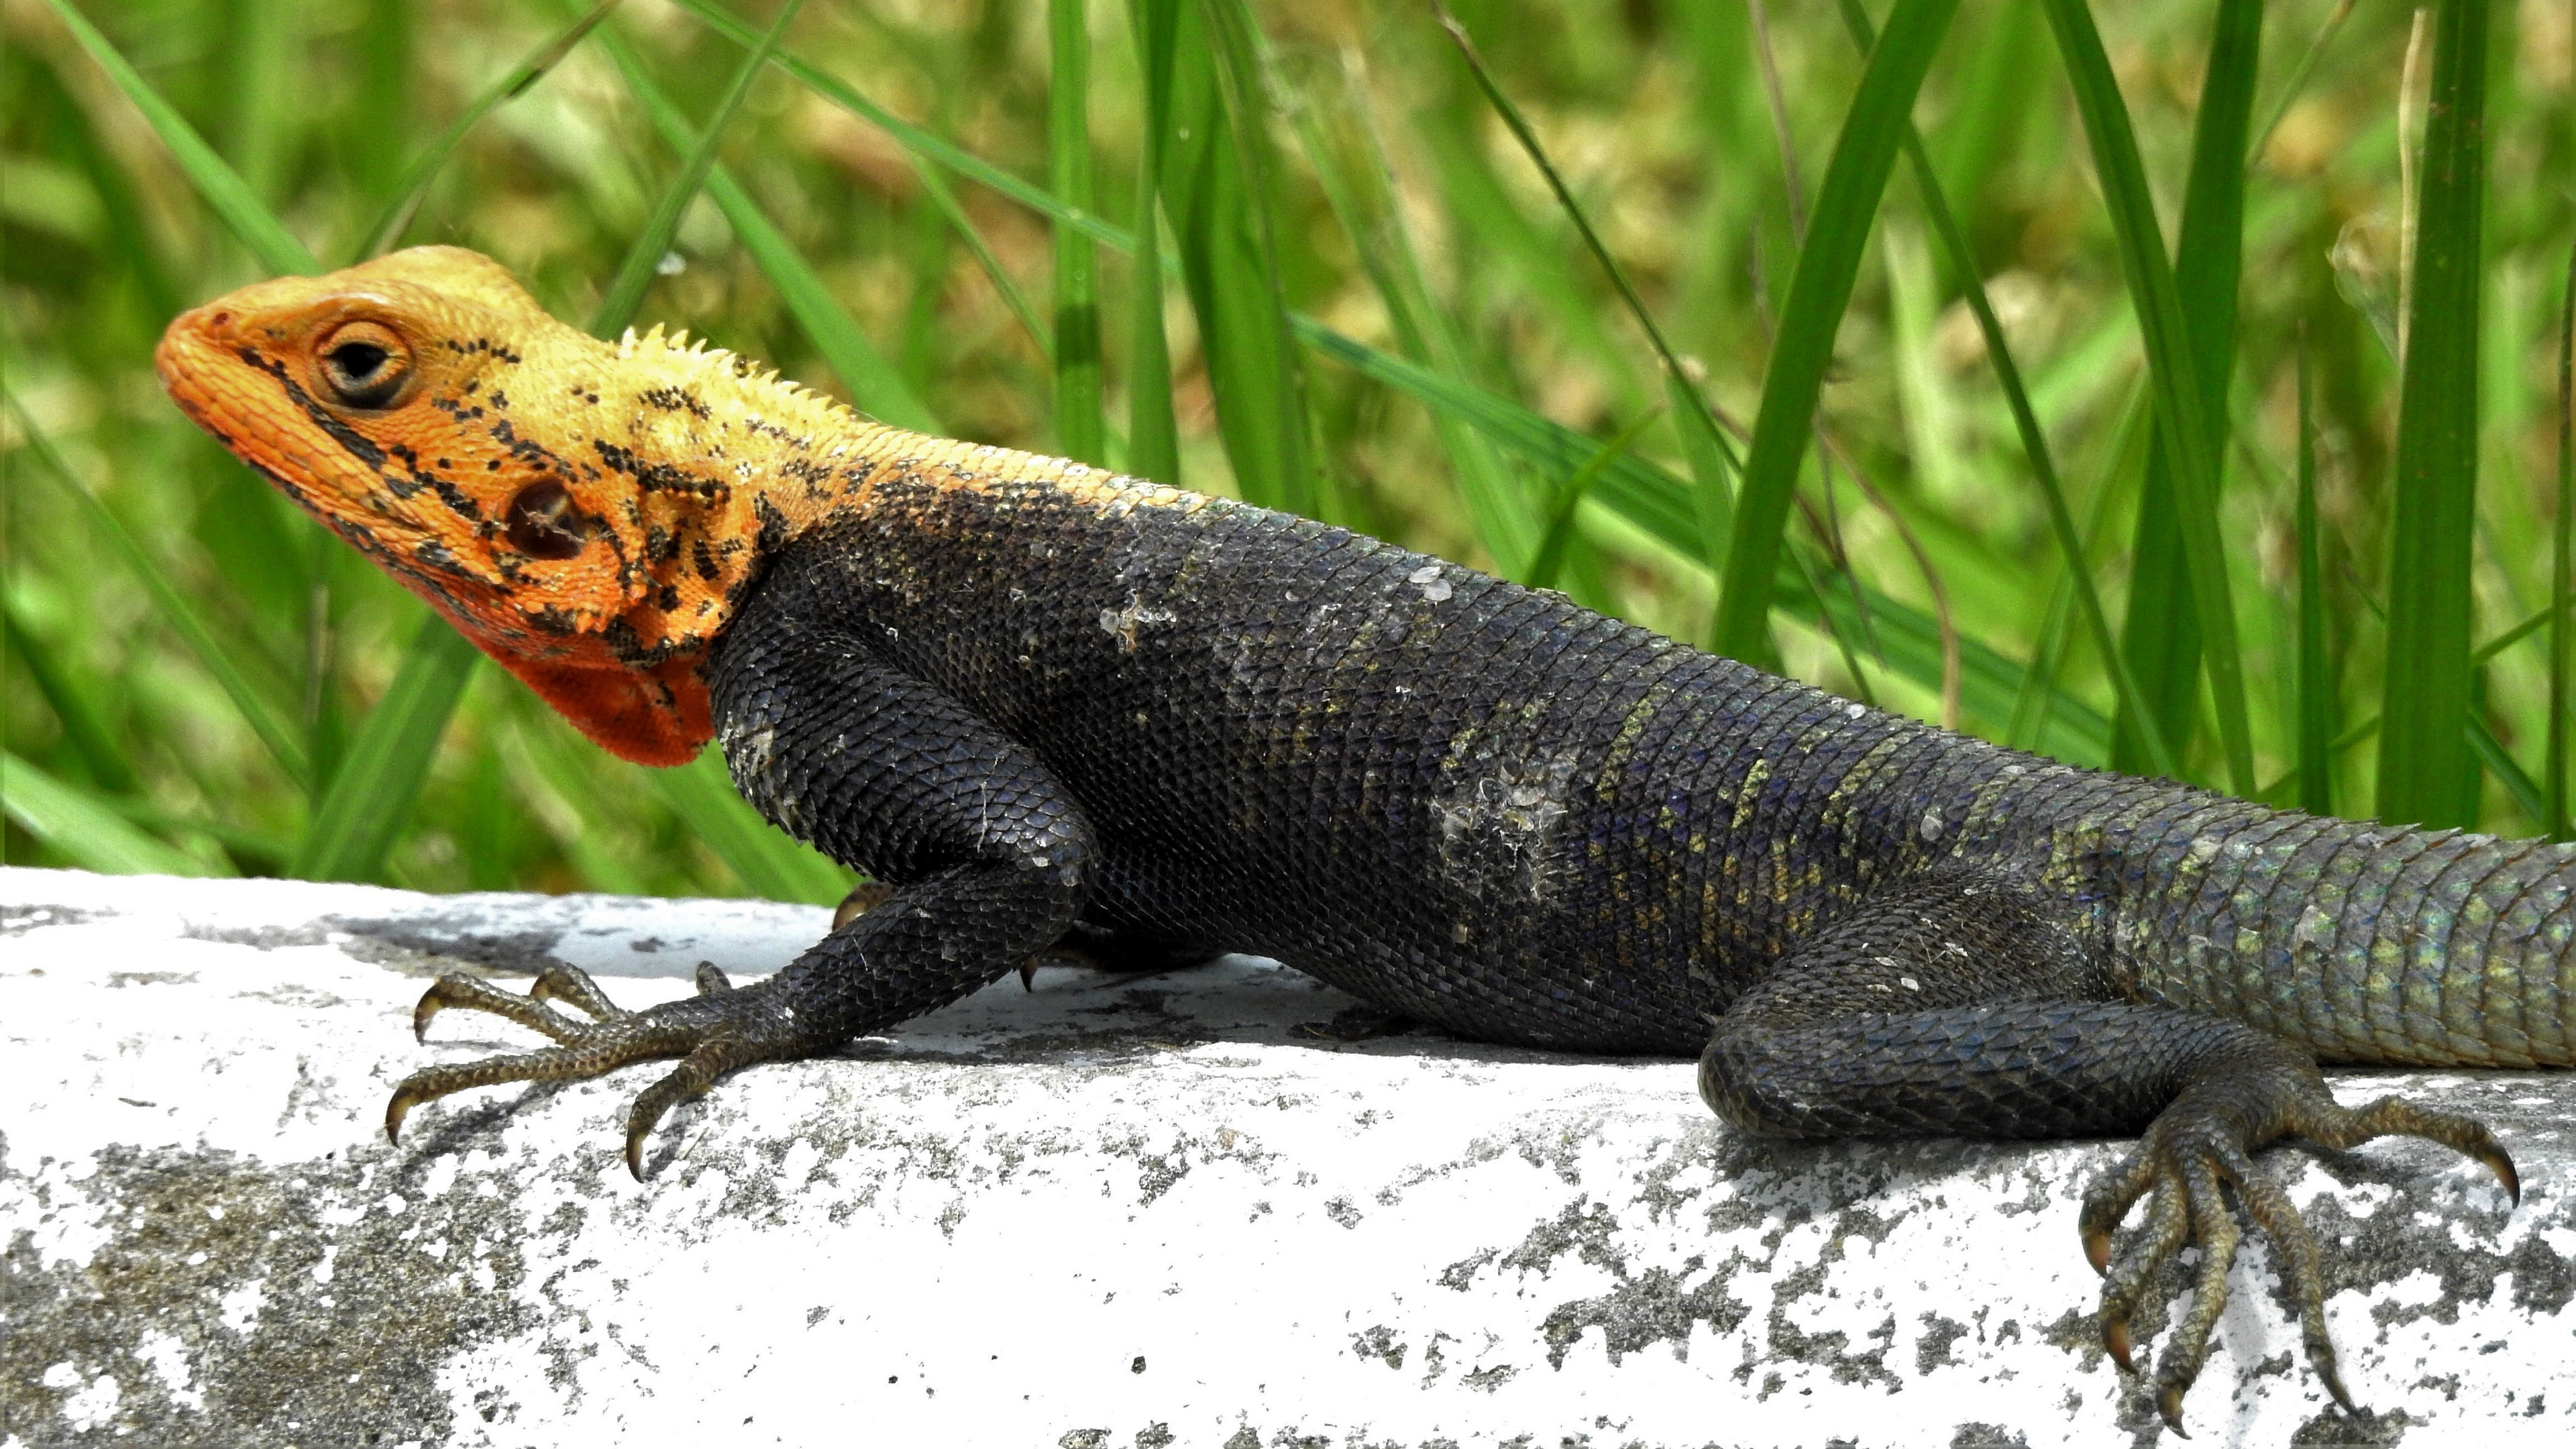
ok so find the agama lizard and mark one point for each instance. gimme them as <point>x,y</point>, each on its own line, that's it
<point>1038,699</point>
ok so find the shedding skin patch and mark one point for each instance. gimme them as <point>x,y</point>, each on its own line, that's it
<point>589,513</point>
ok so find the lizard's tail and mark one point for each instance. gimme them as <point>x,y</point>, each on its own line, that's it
<point>2366,944</point>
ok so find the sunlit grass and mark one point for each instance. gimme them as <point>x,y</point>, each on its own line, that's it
<point>2049,339</point>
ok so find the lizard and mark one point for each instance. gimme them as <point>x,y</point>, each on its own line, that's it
<point>1037,701</point>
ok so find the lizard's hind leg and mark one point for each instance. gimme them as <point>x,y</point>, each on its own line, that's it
<point>1960,1004</point>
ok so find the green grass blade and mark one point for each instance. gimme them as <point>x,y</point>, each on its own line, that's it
<point>413,187</point>
<point>769,863</point>
<point>2298,80</point>
<point>625,294</point>
<point>1705,450</point>
<point>1819,289</point>
<point>912,138</point>
<point>84,830</point>
<point>2425,771</point>
<point>2482,745</point>
<point>875,386</point>
<point>1153,432</point>
<point>2173,378</point>
<point>1081,431</point>
<point>1570,496</point>
<point>371,796</point>
<point>1702,444</point>
<point>259,95</point>
<point>1350,162</point>
<point>2034,438</point>
<point>1263,412</point>
<point>944,197</point>
<point>264,722</point>
<point>2161,639</point>
<point>221,187</point>
<point>1713,466</point>
<point>385,41</point>
<point>559,783</point>
<point>89,739</point>
<point>1662,507</point>
<point>2316,679</point>
<point>2562,573</point>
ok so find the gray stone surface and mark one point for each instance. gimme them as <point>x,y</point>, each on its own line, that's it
<point>1103,1213</point>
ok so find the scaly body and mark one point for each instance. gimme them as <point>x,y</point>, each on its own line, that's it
<point>1039,700</point>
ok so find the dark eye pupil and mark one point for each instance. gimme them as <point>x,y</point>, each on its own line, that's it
<point>358,361</point>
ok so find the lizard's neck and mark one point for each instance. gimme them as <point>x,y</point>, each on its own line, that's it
<point>701,469</point>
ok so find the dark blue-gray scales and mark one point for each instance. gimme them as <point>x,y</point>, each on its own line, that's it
<point>1177,726</point>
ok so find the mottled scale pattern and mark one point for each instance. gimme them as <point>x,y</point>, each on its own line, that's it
<point>1478,805</point>
<point>1043,704</point>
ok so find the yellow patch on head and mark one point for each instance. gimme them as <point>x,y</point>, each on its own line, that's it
<point>587,512</point>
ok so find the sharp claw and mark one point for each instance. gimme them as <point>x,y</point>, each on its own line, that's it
<point>395,1111</point>
<point>2502,1166</point>
<point>2334,1386</point>
<point>1029,974</point>
<point>642,1119</point>
<point>2115,1337</point>
<point>430,1002</point>
<point>2097,1251</point>
<point>2169,1406</point>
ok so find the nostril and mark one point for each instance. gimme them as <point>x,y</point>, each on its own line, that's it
<point>221,319</point>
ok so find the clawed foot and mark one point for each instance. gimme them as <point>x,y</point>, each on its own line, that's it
<point>2205,1139</point>
<point>711,1033</point>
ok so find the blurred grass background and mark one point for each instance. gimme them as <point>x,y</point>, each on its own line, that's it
<point>2254,313</point>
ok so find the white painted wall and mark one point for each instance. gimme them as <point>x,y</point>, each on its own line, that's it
<point>1105,1213</point>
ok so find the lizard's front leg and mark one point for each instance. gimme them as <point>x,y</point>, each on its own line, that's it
<point>990,859</point>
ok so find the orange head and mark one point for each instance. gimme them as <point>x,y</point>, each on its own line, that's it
<point>586,512</point>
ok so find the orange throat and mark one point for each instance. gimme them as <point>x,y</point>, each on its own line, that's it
<point>589,513</point>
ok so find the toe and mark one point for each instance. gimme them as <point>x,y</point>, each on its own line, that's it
<point>467,993</point>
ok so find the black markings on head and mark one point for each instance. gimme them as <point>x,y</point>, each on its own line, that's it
<point>675,400</point>
<point>660,477</point>
<point>623,642</point>
<point>773,524</point>
<point>438,556</point>
<point>486,347</point>
<point>457,501</point>
<point>762,428</point>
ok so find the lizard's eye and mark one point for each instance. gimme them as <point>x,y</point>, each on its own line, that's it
<point>543,521</point>
<point>364,365</point>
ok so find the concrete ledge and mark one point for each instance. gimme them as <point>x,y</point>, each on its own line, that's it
<point>1105,1213</point>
